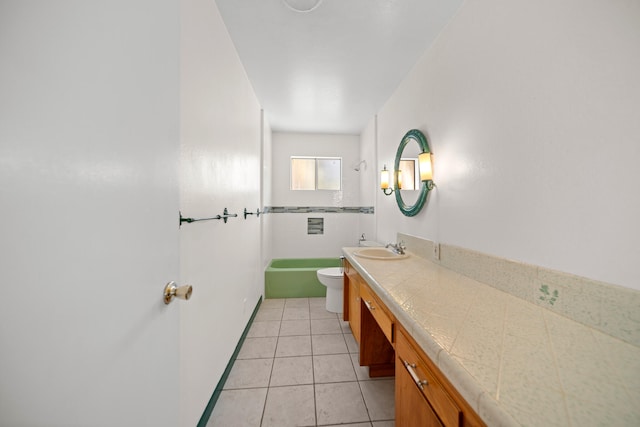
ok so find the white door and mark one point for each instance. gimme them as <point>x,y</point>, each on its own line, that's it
<point>89,130</point>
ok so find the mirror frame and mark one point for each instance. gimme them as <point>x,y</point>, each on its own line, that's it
<point>411,210</point>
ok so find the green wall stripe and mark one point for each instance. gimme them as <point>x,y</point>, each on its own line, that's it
<point>216,393</point>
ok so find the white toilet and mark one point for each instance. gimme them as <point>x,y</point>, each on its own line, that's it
<point>332,279</point>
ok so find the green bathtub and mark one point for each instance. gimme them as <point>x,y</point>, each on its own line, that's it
<point>296,277</point>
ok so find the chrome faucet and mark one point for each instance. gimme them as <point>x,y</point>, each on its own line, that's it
<point>397,247</point>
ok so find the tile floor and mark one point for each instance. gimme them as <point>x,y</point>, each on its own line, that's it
<point>298,367</point>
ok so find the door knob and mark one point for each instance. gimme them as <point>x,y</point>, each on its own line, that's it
<point>174,291</point>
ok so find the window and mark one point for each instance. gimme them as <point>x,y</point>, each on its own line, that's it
<point>316,173</point>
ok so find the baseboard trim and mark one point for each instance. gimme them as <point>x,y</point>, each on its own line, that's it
<point>216,393</point>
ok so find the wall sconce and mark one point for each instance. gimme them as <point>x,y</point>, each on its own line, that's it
<point>426,170</point>
<point>385,181</point>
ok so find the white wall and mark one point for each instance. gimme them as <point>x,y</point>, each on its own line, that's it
<point>286,145</point>
<point>267,227</point>
<point>531,112</point>
<point>220,168</point>
<point>289,230</point>
<point>290,238</point>
<point>369,177</point>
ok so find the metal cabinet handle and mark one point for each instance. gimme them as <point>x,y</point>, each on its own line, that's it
<point>369,305</point>
<point>172,291</point>
<point>410,368</point>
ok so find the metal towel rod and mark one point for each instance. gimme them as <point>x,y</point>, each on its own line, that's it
<point>246,212</point>
<point>225,215</point>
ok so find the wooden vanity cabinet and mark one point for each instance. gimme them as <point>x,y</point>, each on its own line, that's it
<point>424,397</point>
<point>351,300</point>
<point>377,326</point>
<point>370,322</point>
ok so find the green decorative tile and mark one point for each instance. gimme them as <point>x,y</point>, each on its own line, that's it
<point>547,295</point>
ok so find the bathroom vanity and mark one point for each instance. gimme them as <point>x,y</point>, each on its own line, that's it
<point>423,395</point>
<point>498,352</point>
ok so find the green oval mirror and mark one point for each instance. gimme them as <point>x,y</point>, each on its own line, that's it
<point>413,190</point>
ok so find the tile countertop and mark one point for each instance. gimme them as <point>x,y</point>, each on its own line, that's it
<point>514,362</point>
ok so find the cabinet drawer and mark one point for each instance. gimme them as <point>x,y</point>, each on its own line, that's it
<point>429,386</point>
<point>378,312</point>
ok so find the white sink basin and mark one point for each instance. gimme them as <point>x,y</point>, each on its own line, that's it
<point>379,253</point>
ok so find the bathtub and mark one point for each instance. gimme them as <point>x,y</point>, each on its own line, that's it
<point>296,277</point>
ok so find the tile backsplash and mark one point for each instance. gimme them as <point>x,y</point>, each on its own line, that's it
<point>319,209</point>
<point>612,309</point>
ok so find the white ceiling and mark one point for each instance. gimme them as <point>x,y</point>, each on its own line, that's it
<point>331,69</point>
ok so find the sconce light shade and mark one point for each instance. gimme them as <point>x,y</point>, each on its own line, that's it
<point>399,179</point>
<point>385,178</point>
<point>426,172</point>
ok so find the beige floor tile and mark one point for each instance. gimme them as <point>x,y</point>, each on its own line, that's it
<point>317,302</point>
<point>325,326</point>
<point>346,329</point>
<point>294,346</point>
<point>295,313</point>
<point>268,314</point>
<point>296,303</point>
<point>328,344</point>
<point>267,328</point>
<point>273,303</point>
<point>302,387</point>
<point>340,403</point>
<point>351,425</point>
<point>331,368</point>
<point>258,348</point>
<point>238,408</point>
<point>292,371</point>
<point>321,313</point>
<point>289,406</point>
<point>362,372</point>
<point>352,344</point>
<point>379,398</point>
<point>251,373</point>
<point>295,327</point>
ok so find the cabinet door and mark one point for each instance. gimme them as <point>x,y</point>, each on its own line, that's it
<point>354,306</point>
<point>412,409</point>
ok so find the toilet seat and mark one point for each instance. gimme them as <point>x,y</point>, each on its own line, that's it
<point>331,272</point>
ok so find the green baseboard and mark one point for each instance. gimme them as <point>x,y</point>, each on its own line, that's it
<point>216,393</point>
